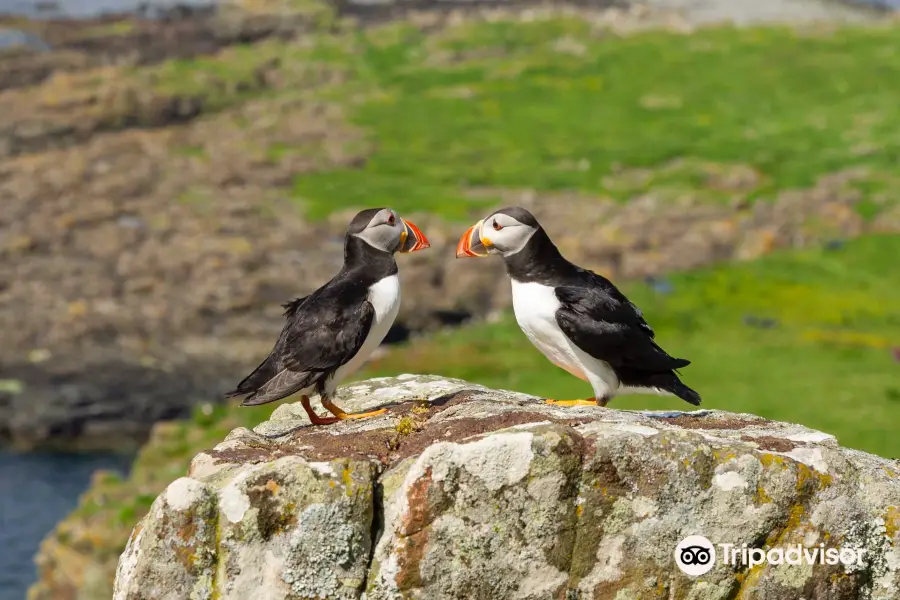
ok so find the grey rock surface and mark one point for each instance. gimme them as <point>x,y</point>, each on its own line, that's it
<point>461,492</point>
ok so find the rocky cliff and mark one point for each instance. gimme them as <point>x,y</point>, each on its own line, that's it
<point>464,492</point>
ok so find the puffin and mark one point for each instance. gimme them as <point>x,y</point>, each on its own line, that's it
<point>576,318</point>
<point>333,331</point>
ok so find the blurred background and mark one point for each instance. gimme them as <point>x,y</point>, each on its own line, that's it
<point>170,173</point>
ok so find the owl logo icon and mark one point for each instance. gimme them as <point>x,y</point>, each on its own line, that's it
<point>695,555</point>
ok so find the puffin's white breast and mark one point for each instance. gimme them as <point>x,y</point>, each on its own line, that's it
<point>384,296</point>
<point>535,306</point>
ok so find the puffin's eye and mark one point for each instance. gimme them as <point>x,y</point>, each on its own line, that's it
<point>497,226</point>
<point>392,220</point>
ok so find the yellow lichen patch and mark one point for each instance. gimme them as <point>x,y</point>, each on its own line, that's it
<point>346,477</point>
<point>761,496</point>
<point>406,426</point>
<point>723,456</point>
<point>272,486</point>
<point>579,510</point>
<point>794,527</point>
<point>806,474</point>
<point>748,580</point>
<point>768,460</point>
<point>836,578</point>
<point>892,521</point>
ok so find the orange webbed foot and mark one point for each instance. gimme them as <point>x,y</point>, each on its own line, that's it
<point>342,416</point>
<point>585,402</point>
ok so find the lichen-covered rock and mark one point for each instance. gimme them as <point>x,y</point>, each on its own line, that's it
<point>293,528</point>
<point>461,492</point>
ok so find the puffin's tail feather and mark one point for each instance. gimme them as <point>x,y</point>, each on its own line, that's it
<point>685,393</point>
<point>281,386</point>
<point>680,363</point>
<point>667,381</point>
<point>670,382</point>
<point>255,380</point>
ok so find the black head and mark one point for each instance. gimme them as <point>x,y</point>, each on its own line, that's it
<point>514,234</point>
<point>362,220</point>
<point>504,232</point>
<point>384,230</point>
<point>519,214</point>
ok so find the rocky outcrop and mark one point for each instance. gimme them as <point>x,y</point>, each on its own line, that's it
<point>464,492</point>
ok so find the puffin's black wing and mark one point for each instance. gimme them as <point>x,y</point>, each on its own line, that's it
<point>601,321</point>
<point>323,337</point>
<point>291,307</point>
<point>319,337</point>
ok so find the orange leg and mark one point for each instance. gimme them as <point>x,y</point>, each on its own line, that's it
<point>586,402</point>
<point>313,417</point>
<point>341,415</point>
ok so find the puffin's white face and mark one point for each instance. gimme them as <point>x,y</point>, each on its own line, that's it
<point>500,233</point>
<point>384,230</point>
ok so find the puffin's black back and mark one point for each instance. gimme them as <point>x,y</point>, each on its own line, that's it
<point>540,261</point>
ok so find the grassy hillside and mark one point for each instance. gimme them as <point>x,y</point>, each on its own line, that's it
<point>560,103</point>
<point>806,337</point>
<point>555,104</point>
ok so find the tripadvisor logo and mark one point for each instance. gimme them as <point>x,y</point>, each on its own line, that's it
<point>695,555</point>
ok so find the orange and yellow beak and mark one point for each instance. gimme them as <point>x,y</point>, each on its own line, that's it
<point>412,238</point>
<point>473,243</point>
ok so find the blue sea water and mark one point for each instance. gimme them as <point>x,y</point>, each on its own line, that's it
<point>36,491</point>
<point>87,8</point>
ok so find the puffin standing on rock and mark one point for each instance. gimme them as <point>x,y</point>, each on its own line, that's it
<point>579,320</point>
<point>330,333</point>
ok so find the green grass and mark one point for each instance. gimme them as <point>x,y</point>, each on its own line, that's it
<point>551,105</point>
<point>222,79</point>
<point>826,364</point>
